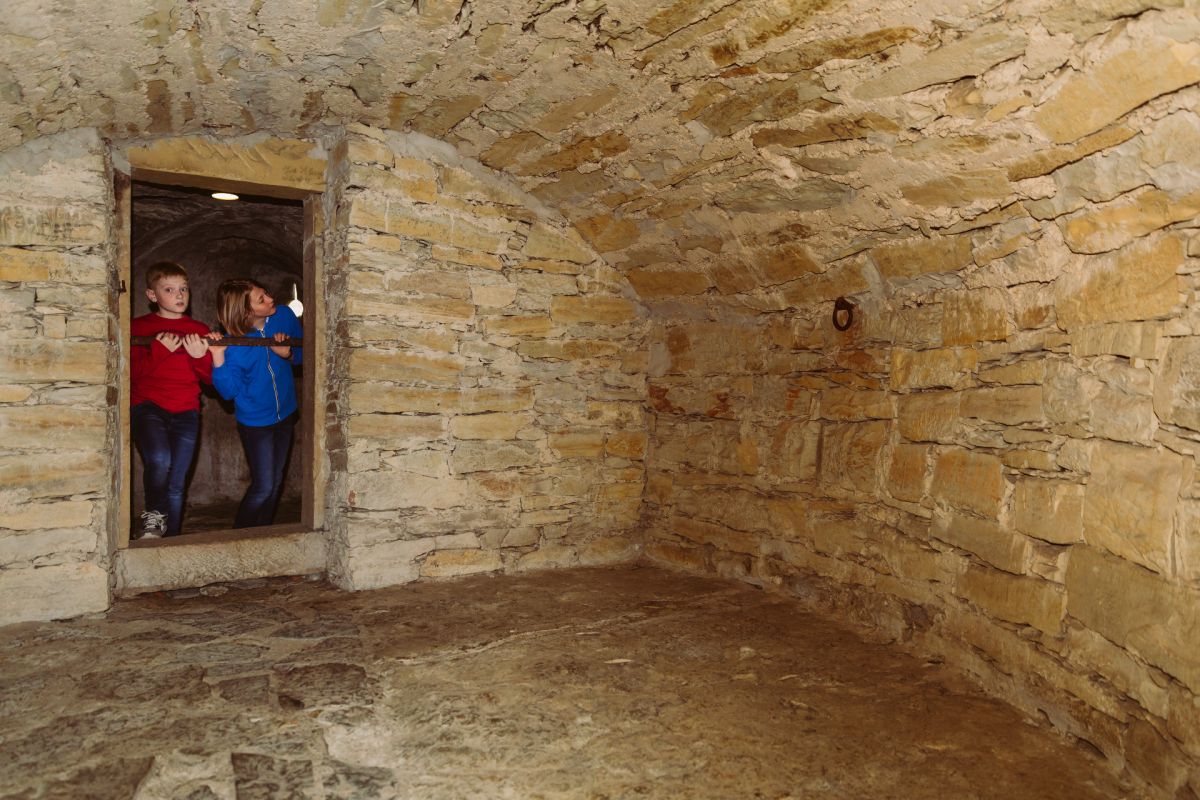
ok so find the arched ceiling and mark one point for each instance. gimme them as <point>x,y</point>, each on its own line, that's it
<point>725,147</point>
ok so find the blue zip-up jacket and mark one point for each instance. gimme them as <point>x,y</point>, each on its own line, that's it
<point>257,381</point>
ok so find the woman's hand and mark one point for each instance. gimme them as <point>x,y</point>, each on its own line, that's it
<point>218,351</point>
<point>284,351</point>
<point>195,345</point>
<point>169,340</point>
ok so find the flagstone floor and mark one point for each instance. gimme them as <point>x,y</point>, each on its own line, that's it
<point>597,683</point>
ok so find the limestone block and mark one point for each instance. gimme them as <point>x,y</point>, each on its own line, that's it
<point>1019,373</point>
<point>851,405</point>
<point>392,489</point>
<point>1047,161</point>
<point>531,325</point>
<point>592,310</point>
<point>969,480</point>
<point>977,315</point>
<point>1094,653</point>
<point>403,367</point>
<point>35,516</point>
<point>1084,18</point>
<point>907,474</point>
<point>384,564</point>
<point>482,456</point>
<point>370,396</point>
<point>397,429</point>
<point>719,536</point>
<point>493,296</point>
<point>850,455</point>
<point>1116,224</point>
<point>1177,388</point>
<point>909,259</point>
<point>999,547</point>
<point>927,369</point>
<point>407,310</point>
<point>52,361</point>
<point>548,556</point>
<point>53,592</point>
<point>47,545</point>
<point>1011,405</point>
<point>826,129</point>
<point>1187,540</point>
<point>489,426</point>
<point>839,280</point>
<point>1107,91</point>
<point>653,284</point>
<point>53,226</point>
<point>1121,416</point>
<point>1137,610</point>
<point>1128,339</point>
<point>961,189</point>
<point>929,416</point>
<point>452,563</point>
<point>686,557</point>
<point>469,258</point>
<point>1049,510</point>
<point>582,443</point>
<point>1130,500</point>
<point>400,219</point>
<point>793,449</point>
<point>1025,601</point>
<point>1135,283</point>
<point>547,242</point>
<point>608,550</point>
<point>53,427</point>
<point>974,54</point>
<point>626,444</point>
<point>477,401</point>
<point>269,162</point>
<point>56,474</point>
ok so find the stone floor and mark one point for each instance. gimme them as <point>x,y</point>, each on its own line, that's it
<point>621,683</point>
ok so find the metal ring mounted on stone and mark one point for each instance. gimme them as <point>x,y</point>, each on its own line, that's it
<point>840,305</point>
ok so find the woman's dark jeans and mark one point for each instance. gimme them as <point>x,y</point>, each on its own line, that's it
<point>167,442</point>
<point>267,450</point>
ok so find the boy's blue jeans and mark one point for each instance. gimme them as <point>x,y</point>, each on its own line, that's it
<point>167,442</point>
<point>267,449</point>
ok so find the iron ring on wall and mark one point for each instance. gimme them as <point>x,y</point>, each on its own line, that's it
<point>839,306</point>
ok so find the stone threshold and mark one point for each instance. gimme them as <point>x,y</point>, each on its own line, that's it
<point>217,557</point>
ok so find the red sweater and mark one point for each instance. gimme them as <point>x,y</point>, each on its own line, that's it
<point>169,380</point>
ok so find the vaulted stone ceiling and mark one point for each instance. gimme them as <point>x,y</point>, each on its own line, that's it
<point>745,150</point>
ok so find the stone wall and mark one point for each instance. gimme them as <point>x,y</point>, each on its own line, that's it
<point>488,377</point>
<point>997,461</point>
<point>56,426</point>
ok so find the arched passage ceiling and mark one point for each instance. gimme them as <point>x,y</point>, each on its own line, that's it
<point>727,147</point>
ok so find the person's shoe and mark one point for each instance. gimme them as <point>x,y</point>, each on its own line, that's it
<point>154,524</point>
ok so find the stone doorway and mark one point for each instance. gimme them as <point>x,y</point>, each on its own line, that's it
<point>254,236</point>
<point>274,234</point>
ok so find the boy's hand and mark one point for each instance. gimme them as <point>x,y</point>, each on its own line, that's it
<point>217,350</point>
<point>285,351</point>
<point>169,341</point>
<point>195,345</point>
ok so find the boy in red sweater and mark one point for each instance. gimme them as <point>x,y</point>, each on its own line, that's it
<point>165,396</point>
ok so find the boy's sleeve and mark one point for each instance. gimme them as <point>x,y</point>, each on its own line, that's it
<point>143,361</point>
<point>227,379</point>
<point>203,366</point>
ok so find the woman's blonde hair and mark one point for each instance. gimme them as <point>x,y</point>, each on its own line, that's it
<point>233,305</point>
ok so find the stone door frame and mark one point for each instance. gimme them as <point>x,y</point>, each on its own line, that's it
<point>290,169</point>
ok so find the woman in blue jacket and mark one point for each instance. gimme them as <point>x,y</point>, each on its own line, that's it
<point>259,382</point>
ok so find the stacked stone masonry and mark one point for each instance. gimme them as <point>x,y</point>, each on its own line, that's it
<point>581,262</point>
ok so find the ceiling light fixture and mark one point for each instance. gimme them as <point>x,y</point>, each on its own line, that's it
<point>224,196</point>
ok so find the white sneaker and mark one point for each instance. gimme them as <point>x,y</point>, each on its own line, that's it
<point>154,525</point>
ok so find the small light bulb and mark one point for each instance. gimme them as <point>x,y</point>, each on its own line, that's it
<point>295,305</point>
<point>224,196</point>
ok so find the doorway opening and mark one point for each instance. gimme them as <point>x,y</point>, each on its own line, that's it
<point>238,236</point>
